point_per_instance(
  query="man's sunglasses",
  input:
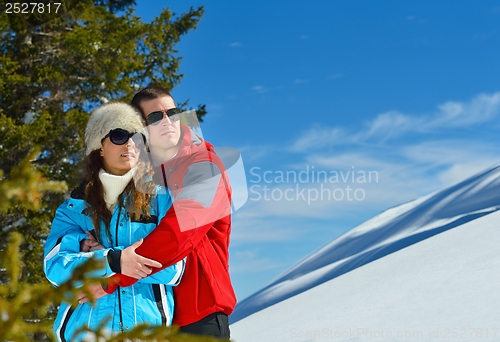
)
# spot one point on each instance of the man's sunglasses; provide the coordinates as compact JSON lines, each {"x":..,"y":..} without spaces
{"x":154,"y":118}
{"x":120,"y":136}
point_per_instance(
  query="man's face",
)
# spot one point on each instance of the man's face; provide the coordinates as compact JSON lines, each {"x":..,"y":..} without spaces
{"x":163,"y":136}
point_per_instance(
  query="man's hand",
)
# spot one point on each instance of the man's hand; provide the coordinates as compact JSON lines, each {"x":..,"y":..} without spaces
{"x":134,"y":265}
{"x":90,"y":244}
{"x":96,"y":290}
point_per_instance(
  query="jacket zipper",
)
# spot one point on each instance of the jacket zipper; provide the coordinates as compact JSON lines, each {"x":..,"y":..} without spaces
{"x":119,"y":289}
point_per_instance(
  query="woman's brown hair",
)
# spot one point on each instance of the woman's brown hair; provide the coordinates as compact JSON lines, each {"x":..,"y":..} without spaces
{"x":137,"y":203}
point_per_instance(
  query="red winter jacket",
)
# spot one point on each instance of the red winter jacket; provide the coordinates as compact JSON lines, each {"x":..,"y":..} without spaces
{"x":196,"y":226}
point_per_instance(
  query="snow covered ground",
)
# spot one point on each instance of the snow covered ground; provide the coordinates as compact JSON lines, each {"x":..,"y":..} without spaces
{"x":394,"y":278}
{"x":445,"y":288}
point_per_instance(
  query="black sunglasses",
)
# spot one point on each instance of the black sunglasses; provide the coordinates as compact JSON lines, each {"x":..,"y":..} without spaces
{"x":120,"y":136}
{"x":154,"y":118}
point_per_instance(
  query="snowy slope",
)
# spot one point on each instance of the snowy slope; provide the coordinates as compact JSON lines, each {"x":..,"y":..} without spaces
{"x":384,"y":234}
{"x":445,"y":288}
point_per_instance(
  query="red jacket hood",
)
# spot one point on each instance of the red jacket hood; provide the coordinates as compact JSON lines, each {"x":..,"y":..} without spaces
{"x":191,"y":143}
{"x":192,"y":149}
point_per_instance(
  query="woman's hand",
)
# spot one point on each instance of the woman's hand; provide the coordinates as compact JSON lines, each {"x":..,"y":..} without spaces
{"x":90,"y":244}
{"x":134,"y":265}
{"x":96,"y":290}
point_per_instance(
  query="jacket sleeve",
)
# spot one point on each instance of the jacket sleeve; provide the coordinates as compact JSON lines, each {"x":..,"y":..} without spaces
{"x":204,"y":198}
{"x":171,"y":275}
{"x":62,"y":249}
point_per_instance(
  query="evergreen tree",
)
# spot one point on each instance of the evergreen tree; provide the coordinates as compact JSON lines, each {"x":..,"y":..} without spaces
{"x":54,"y":69}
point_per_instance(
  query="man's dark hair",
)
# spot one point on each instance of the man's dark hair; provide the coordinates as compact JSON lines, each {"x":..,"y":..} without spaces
{"x":148,"y":93}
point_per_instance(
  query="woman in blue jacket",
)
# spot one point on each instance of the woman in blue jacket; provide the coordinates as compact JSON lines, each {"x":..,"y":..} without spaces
{"x":109,"y":205}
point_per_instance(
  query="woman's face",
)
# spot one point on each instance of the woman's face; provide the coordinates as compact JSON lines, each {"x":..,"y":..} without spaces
{"x":119,"y":159}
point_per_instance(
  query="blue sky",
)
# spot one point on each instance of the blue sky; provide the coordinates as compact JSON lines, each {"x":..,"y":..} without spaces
{"x":405,"y":91}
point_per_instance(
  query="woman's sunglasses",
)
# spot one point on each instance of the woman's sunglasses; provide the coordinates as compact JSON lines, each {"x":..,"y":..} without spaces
{"x":120,"y":136}
{"x":154,"y":118}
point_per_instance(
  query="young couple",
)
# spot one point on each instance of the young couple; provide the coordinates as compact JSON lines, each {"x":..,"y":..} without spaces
{"x":123,"y":215}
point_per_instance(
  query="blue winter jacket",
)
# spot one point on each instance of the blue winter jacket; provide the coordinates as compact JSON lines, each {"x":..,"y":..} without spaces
{"x":149,"y":301}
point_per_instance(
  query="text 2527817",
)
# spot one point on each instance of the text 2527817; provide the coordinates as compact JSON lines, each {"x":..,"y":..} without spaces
{"x":31,"y":7}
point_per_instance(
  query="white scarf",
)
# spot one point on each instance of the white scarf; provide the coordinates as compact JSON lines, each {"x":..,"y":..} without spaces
{"x":114,"y":186}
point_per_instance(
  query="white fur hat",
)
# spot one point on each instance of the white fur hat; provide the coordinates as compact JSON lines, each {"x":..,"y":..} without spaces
{"x":107,"y":117}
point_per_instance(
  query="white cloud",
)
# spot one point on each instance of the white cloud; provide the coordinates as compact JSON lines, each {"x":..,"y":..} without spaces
{"x":253,"y":153}
{"x":317,"y":137}
{"x":349,"y":184}
{"x":325,"y":186}
{"x":251,"y":225}
{"x":481,"y":109}
{"x":351,"y":161}
{"x":441,"y":152}
{"x":261,"y":89}
{"x":393,"y":124}
{"x":335,"y":76}
{"x":455,"y":160}
{"x":249,"y":261}
{"x":460,"y":171}
{"x":300,"y":81}
{"x":235,"y":44}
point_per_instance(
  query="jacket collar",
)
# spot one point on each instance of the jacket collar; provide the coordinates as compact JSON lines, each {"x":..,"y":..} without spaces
{"x":79,"y":191}
{"x":190,"y":144}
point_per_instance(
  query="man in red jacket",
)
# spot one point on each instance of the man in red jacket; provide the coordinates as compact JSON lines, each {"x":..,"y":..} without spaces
{"x":196,"y":226}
